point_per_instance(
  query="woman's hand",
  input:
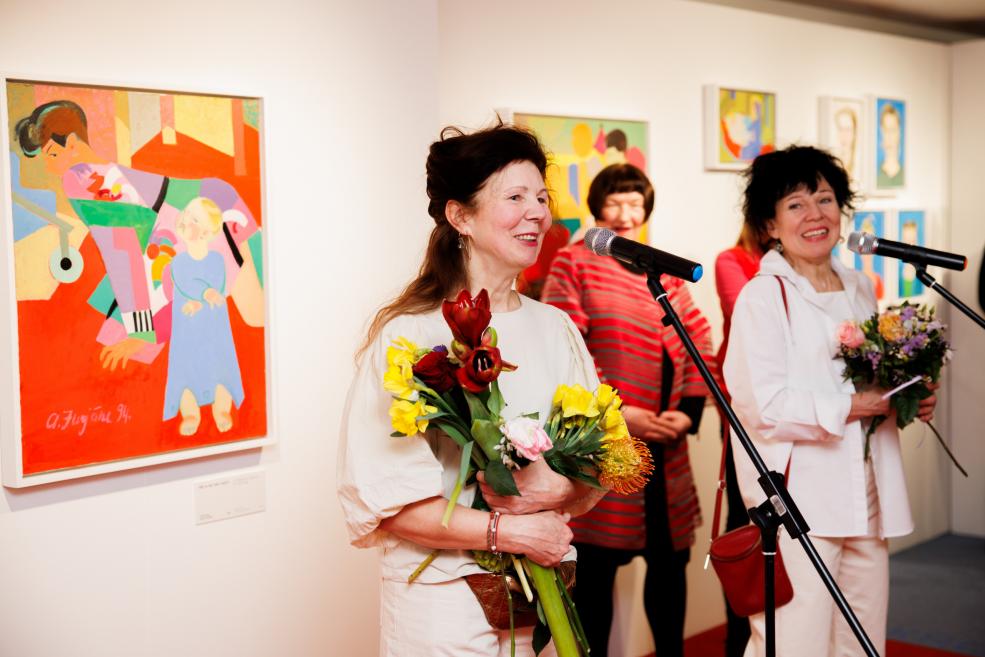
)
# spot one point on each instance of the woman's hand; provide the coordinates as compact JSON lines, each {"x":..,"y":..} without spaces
{"x":668,"y":427}
{"x":543,"y":537}
{"x":925,"y":412}
{"x":540,"y":489}
{"x":868,"y":403}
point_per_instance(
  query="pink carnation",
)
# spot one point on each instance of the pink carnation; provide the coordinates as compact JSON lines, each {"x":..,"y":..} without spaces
{"x":527,"y":437}
{"x":850,"y":335}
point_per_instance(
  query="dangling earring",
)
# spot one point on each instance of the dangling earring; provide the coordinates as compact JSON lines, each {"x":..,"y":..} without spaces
{"x":841,"y":239}
{"x":778,"y":246}
{"x":461,"y":241}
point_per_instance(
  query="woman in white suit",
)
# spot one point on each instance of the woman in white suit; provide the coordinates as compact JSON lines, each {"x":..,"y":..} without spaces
{"x":790,"y":395}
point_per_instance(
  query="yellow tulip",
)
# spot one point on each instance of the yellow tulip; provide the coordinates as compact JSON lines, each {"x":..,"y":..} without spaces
{"x":404,"y":416}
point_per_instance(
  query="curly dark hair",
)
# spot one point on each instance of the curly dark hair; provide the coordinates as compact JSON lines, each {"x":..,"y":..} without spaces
{"x":772,"y":176}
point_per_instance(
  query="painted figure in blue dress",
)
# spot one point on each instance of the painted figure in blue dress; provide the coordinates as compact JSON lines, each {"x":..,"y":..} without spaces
{"x":202,"y":364}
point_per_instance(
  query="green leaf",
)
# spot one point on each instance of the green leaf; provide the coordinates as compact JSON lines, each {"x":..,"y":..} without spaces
{"x":398,"y":434}
{"x":906,"y":406}
{"x":531,"y":416}
{"x":477,"y":408}
{"x":488,"y":435}
{"x":542,"y":636}
{"x":500,"y":478}
{"x":454,"y":433}
{"x":496,"y":401}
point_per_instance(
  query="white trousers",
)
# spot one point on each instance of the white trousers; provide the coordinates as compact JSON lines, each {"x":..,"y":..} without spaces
{"x":443,"y":620}
{"x":811,"y":625}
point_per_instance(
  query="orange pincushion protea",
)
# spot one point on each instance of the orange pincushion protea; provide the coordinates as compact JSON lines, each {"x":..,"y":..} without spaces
{"x":625,"y":465}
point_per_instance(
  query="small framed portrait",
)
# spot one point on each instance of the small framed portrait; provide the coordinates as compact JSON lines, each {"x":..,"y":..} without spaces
{"x":912,"y":226}
{"x":878,"y":222}
{"x":739,"y":124}
{"x":888,"y":165}
{"x":842,"y":133}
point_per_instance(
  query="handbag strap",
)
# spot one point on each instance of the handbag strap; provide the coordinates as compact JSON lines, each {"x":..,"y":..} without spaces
{"x":728,"y":438}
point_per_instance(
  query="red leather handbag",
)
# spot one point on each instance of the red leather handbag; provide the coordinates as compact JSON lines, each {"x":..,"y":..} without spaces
{"x":737,"y":555}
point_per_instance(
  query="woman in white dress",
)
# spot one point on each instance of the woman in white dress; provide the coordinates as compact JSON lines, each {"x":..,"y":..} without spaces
{"x":788,"y":391}
{"x":490,"y":206}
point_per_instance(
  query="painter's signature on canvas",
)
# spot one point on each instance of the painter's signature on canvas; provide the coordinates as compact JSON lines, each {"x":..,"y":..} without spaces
{"x":72,"y":419}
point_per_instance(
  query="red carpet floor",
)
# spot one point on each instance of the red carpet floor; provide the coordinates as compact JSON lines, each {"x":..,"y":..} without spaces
{"x":711,"y":643}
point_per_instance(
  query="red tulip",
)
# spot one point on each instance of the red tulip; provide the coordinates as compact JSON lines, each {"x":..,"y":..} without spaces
{"x":480,"y":367}
{"x":468,"y":317}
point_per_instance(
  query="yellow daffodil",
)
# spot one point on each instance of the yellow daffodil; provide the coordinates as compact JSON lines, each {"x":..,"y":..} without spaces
{"x":607,"y":396}
{"x":625,"y":465}
{"x":402,"y":352}
{"x":578,"y":401}
{"x":399,"y":381}
{"x":405,"y":416}
{"x":614,"y":425}
{"x":559,"y":395}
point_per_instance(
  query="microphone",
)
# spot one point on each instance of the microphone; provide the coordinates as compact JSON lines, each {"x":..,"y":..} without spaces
{"x":916,"y":255}
{"x":603,"y":241}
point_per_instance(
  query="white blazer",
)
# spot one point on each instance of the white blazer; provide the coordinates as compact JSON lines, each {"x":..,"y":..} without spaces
{"x":787,"y":390}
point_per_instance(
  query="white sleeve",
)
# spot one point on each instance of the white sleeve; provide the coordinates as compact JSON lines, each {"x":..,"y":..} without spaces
{"x":757,"y":376}
{"x":377,"y":474}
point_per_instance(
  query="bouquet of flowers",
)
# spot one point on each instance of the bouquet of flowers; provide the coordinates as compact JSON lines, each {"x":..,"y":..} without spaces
{"x":901,"y":350}
{"x":585,"y":438}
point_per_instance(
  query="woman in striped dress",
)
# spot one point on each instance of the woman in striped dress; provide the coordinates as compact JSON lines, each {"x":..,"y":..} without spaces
{"x":663,"y":399}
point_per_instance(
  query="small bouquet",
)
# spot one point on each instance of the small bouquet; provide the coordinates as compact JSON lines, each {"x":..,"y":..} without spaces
{"x":901,"y":350}
{"x":585,"y":438}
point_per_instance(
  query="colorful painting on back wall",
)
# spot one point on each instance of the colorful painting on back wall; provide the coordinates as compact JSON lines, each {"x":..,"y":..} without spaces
{"x":579,"y":148}
{"x":739,"y":125}
{"x":912,"y":230}
{"x":873,"y":222}
{"x":137,"y":244}
{"x":890,"y":146}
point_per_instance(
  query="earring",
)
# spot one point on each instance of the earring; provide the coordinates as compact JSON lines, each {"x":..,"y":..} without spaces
{"x":461,"y":241}
{"x":778,"y":246}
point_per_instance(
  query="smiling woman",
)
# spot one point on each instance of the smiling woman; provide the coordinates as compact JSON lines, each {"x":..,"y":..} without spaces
{"x":789,"y":391}
{"x":490,"y":207}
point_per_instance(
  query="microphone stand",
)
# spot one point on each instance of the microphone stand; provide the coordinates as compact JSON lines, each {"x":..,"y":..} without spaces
{"x":779,"y":508}
{"x":930,"y":282}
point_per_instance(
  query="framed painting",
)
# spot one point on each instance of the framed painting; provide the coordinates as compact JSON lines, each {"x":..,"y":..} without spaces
{"x":134,"y":223}
{"x":579,"y":148}
{"x":912,"y":226}
{"x":888,"y":164}
{"x":842,"y":132}
{"x":876,"y":222}
{"x":739,"y":124}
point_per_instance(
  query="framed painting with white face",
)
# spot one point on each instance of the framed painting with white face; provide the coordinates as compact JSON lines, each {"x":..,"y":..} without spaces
{"x":878,"y":269}
{"x":842,"y":133}
{"x":739,"y":124}
{"x":912,"y":226}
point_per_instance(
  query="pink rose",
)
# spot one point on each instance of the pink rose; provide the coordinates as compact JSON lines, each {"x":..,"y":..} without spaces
{"x":527,"y":437}
{"x":850,"y":335}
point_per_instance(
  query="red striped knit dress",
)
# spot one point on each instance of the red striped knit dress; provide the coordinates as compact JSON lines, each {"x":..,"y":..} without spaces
{"x":621,"y":322}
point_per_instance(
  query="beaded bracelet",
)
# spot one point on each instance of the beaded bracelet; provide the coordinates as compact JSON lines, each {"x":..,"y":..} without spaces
{"x":491,"y":531}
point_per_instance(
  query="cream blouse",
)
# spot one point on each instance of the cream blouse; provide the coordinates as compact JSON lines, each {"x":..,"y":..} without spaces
{"x":378,"y":475}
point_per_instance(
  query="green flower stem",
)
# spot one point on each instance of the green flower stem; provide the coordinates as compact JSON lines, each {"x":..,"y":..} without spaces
{"x":424,"y":564}
{"x":545,"y":581}
{"x":521,"y":573}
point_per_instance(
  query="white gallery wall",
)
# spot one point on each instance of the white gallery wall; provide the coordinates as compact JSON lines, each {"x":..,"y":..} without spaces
{"x":353,"y":93}
{"x":116,"y":566}
{"x":640,"y":59}
{"x":968,"y":237}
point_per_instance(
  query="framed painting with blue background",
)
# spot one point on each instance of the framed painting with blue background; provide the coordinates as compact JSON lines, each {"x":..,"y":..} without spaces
{"x":889,"y":163}
{"x":876,"y":222}
{"x":912,"y":230}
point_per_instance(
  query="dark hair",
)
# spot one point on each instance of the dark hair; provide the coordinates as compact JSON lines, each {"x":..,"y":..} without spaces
{"x":52,"y":121}
{"x":618,"y":179}
{"x":617,"y":139}
{"x":775,"y":175}
{"x":458,"y":166}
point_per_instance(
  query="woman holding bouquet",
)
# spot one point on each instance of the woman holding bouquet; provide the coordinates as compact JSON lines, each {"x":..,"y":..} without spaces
{"x":489,"y":203}
{"x":663,"y":400}
{"x":788,"y":390}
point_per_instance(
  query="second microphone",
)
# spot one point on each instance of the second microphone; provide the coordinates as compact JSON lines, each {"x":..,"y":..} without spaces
{"x":603,"y":241}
